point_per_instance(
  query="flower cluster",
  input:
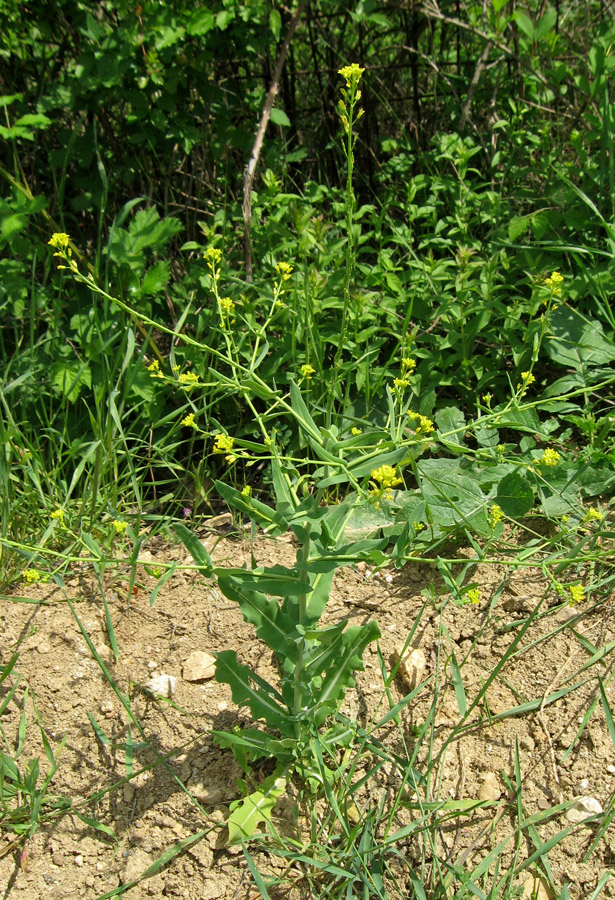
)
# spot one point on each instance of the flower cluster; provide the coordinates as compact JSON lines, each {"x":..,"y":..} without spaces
{"x":189,"y":422}
{"x":213,"y":257}
{"x":307,"y":371}
{"x":154,"y":369}
{"x":496,"y":515}
{"x":549,"y":457}
{"x":57,"y":516}
{"x":527,"y":379}
{"x":425,"y":425}
{"x":227,"y":310}
{"x":284,"y":270}
{"x":554,"y":282}
{"x":383,"y":480}
{"x":577,"y":593}
{"x":32,"y":575}
{"x":473,"y":595}
{"x":352,"y":75}
{"x":224,"y":444}
{"x":188,"y":380}
{"x":120,"y":527}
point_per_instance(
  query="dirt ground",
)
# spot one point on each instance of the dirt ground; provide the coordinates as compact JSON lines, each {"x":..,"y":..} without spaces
{"x":151,"y":812}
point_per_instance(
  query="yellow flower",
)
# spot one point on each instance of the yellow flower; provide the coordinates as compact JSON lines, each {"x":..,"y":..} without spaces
{"x":592,"y":515}
{"x":189,"y":422}
{"x":401,"y":383}
{"x":227,"y":307}
{"x":487,"y":398}
{"x":408,"y":364}
{"x":495,"y":515}
{"x":355,"y":431}
{"x":120,"y":527}
{"x":383,"y":480}
{"x":473,"y":595}
{"x":59,"y":240}
{"x":57,"y":516}
{"x":188,"y":380}
{"x":213,"y":256}
{"x":554,"y":281}
{"x":31,"y":575}
{"x":246,"y":491}
{"x":223,"y":443}
{"x":307,"y":371}
{"x":527,"y":379}
{"x":577,"y":594}
{"x":352,"y":75}
{"x":154,"y":366}
{"x":425,"y":425}
{"x":549,"y":457}
{"x":284,"y":270}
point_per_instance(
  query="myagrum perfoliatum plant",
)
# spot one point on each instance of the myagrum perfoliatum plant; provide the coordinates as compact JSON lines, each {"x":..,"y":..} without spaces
{"x":315,"y":663}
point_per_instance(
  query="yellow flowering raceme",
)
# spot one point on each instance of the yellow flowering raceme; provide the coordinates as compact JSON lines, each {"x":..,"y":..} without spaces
{"x":307,"y":371}
{"x":351,"y":75}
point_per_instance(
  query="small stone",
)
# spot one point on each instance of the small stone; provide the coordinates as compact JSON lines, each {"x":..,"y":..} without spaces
{"x":411,"y":667}
{"x":583,"y":808}
{"x":583,"y":784}
{"x":206,"y":794}
{"x":222,"y":706}
{"x":128,"y":793}
{"x":152,"y":664}
{"x":79,"y":860}
{"x":106,"y":707}
{"x":611,"y":769}
{"x":161,"y":685}
{"x":199,"y":666}
{"x":535,"y":888}
{"x":43,"y":647}
{"x":527,"y":743}
{"x":489,"y":787}
{"x":136,"y":864}
{"x":57,"y":859}
{"x":388,"y":578}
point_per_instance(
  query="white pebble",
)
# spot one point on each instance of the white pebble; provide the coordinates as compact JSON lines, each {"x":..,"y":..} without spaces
{"x":583,"y":808}
{"x":161,"y":685}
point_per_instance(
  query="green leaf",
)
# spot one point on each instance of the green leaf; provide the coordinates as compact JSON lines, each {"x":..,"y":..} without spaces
{"x":155,"y":279}
{"x":343,"y":658}
{"x":275,"y":23}
{"x":515,"y":495}
{"x":247,"y":814}
{"x":577,"y":342}
{"x":201,"y":21}
{"x":273,"y":625}
{"x":196,"y":549}
{"x":262,"y":705}
{"x":448,"y":419}
{"x":279,"y":117}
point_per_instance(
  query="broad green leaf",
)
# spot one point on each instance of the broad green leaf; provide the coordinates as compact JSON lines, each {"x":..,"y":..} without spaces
{"x":277,"y":580}
{"x":156,"y":278}
{"x":515,"y":495}
{"x":348,"y":659}
{"x":448,"y":419}
{"x":201,"y":21}
{"x":279,"y":117}
{"x":247,"y":814}
{"x":275,"y":23}
{"x":230,"y":671}
{"x":452,"y":494}
{"x":273,"y":625}
{"x":576,"y":342}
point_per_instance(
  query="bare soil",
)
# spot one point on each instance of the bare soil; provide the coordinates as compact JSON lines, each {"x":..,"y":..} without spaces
{"x":148,"y":812}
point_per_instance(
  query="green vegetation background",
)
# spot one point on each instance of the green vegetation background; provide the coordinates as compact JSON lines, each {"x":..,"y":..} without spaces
{"x":483,"y":163}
